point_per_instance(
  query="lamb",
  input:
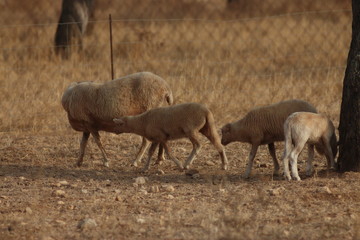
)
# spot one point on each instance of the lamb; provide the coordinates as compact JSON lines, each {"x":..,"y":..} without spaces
{"x":315,"y":130}
{"x":263,"y":125}
{"x":169,"y":123}
{"x":91,"y":106}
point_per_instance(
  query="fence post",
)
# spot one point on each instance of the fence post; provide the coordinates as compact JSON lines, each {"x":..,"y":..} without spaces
{"x":111,"y":48}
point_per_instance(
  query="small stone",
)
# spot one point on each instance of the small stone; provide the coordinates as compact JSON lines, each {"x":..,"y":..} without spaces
{"x":170,"y":197}
{"x":28,"y":210}
{"x":169,"y":188}
{"x":324,"y":189}
{"x":154,"y":189}
{"x":117,"y":191}
{"x":84,"y":191}
{"x":140,"y":220}
{"x":276,"y":191}
{"x":59,"y":193}
{"x":210,"y":163}
{"x":143,"y":191}
{"x":118,"y":198}
{"x":22,"y":178}
{"x":263,"y":165}
{"x":60,"y":222}
{"x":196,"y":176}
{"x":60,"y":203}
{"x":87,"y":223}
{"x":63,"y":183}
{"x":160,"y":172}
{"x":140,"y":180}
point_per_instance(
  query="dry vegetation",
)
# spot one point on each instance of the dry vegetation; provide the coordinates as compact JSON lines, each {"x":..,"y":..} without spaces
{"x":230,"y":64}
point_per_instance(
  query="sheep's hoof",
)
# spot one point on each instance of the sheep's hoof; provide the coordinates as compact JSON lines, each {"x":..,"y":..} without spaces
{"x":225,"y":167}
{"x":134,"y":164}
{"x":78,"y":164}
{"x":106,"y":164}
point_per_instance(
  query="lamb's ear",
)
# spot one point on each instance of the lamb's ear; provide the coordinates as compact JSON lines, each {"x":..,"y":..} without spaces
{"x":119,"y":121}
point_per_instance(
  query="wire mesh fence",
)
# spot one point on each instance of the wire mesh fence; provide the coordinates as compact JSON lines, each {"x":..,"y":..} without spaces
{"x":218,"y":39}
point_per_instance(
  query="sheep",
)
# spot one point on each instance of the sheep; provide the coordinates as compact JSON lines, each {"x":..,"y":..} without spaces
{"x":263,"y":125}
{"x":315,"y":130}
{"x":185,"y":120}
{"x":91,"y":106}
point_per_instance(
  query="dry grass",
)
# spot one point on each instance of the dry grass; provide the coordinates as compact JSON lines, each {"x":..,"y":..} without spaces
{"x":231,"y":66}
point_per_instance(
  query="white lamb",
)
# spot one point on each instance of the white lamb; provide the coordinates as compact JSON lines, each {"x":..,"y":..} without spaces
{"x":91,"y":107}
{"x":315,"y":130}
{"x":168,"y":123}
{"x":263,"y":125}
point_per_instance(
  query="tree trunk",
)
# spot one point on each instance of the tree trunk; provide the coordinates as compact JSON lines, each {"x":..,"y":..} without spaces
{"x":349,"y":127}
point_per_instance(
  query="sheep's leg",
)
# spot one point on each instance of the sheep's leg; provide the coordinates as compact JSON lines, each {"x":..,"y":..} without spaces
{"x":167,"y":150}
{"x":150,"y":154}
{"x":220,"y":148}
{"x":271,"y":147}
{"x":196,"y":148}
{"x":252,"y":154}
{"x":161,"y":154}
{"x":286,"y":164}
{"x":309,"y":165}
{"x":83,"y":143}
{"x":144,"y":145}
{"x":96,"y":136}
{"x":329,"y":154}
{"x":293,"y":159}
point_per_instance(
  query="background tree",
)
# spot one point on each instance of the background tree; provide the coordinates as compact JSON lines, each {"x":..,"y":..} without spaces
{"x":349,"y":127}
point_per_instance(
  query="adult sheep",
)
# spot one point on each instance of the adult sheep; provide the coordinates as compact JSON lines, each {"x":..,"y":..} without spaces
{"x":72,"y":24}
{"x":313,"y":129}
{"x":263,"y":125}
{"x":91,"y":107}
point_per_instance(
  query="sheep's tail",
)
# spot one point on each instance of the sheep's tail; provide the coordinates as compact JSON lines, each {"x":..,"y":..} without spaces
{"x":210,"y":131}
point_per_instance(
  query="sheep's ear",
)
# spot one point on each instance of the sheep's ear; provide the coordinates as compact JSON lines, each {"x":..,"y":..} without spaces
{"x":119,"y":121}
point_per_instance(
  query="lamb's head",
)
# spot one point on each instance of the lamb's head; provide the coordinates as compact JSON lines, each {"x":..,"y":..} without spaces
{"x":226,"y":134}
{"x":121,"y":125}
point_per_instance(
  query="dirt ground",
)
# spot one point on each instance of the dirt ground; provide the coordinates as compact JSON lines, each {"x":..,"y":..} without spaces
{"x":44,"y":196}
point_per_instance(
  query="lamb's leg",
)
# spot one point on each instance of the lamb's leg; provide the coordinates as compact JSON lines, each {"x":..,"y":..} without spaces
{"x":196,"y":148}
{"x":83,"y":143}
{"x":286,"y":164}
{"x":220,"y":148}
{"x":309,"y":165}
{"x":96,"y":136}
{"x":167,"y":150}
{"x":293,"y":158}
{"x":271,"y":147}
{"x":151,"y":152}
{"x":252,"y":154}
{"x":144,"y":145}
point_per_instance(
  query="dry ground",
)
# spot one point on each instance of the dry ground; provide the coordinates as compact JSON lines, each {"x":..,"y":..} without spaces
{"x":231,"y":66}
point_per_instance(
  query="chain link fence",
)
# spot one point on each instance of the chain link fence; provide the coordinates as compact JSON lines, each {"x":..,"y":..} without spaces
{"x":221,"y":39}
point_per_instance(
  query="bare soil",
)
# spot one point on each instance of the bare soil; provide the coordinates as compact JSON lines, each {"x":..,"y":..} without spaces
{"x":210,"y":204}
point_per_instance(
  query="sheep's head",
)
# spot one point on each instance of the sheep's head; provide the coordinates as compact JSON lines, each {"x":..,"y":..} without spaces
{"x":226,"y":135}
{"x":121,"y":125}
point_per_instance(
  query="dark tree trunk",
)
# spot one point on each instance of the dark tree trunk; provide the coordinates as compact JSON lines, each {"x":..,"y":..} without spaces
{"x":72,"y":25}
{"x":349,"y":128}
